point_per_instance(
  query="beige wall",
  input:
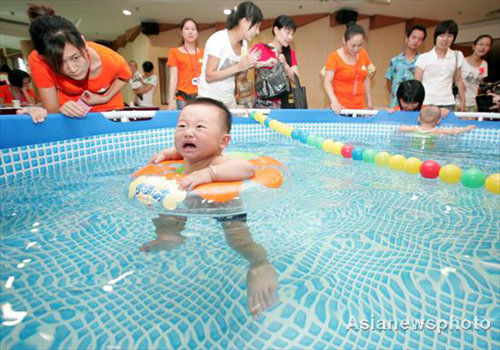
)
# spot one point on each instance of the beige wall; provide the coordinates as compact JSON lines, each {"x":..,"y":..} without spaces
{"x":312,"y":43}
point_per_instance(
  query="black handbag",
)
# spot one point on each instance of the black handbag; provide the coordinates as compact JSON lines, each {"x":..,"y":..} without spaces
{"x":297,"y":98}
{"x":272,"y":83}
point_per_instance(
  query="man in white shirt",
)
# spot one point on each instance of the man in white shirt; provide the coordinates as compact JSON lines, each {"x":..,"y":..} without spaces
{"x":438,"y":68}
{"x":149,"y":83}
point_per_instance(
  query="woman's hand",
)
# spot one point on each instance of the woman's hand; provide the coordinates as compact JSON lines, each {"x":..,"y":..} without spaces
{"x":94,"y":99}
{"x":336,"y":107}
{"x":249,"y":61}
{"x":37,"y":114}
{"x":283,"y":61}
{"x":172,"y":106}
{"x":73,"y":109}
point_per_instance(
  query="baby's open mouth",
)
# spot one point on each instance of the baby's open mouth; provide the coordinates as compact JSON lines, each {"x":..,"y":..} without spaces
{"x":188,"y":146}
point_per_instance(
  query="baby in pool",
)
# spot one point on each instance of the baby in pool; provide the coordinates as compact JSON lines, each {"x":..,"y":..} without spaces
{"x":202,"y":133}
{"x":428,"y":120}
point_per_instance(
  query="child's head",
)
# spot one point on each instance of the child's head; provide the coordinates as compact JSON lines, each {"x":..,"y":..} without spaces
{"x":202,"y":129}
{"x":249,"y":16}
{"x":147,"y":67}
{"x":430,"y":115}
{"x":411,"y":95}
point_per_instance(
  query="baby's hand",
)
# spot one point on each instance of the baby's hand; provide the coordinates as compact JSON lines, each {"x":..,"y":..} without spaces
{"x":472,"y":126}
{"x":390,"y":110}
{"x":196,"y":178}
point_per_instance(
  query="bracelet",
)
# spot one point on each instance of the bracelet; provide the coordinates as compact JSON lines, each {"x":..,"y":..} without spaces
{"x":214,"y":173}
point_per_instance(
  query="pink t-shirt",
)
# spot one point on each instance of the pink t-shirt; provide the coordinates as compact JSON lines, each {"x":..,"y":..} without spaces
{"x":267,"y":53}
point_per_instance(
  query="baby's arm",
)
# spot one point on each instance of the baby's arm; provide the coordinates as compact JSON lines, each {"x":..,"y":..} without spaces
{"x":166,"y":154}
{"x":455,"y":131}
{"x":230,"y":170}
{"x":406,"y":128}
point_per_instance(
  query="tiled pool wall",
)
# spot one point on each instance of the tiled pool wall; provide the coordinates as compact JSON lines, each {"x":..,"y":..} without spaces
{"x":57,"y":157}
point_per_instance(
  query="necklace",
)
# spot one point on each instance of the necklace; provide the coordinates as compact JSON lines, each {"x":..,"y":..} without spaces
{"x":194,"y":66}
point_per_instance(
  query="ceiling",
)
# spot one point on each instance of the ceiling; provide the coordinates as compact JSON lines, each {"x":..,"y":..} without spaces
{"x":103,"y":19}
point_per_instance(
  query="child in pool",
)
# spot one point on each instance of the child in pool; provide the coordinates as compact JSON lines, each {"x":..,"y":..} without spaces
{"x":201,"y":135}
{"x":411,"y":95}
{"x":428,"y":119}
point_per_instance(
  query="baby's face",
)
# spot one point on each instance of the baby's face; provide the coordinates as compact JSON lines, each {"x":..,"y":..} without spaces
{"x":200,"y":133}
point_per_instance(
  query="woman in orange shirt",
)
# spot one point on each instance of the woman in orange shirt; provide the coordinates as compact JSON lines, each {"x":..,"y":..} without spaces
{"x":348,"y":71}
{"x":185,"y":66}
{"x":73,"y":76}
{"x":19,"y":89}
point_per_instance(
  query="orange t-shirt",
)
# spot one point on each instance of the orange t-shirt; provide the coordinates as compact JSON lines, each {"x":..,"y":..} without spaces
{"x":7,"y":95}
{"x":113,"y":66}
{"x":188,"y":67}
{"x":348,"y":79}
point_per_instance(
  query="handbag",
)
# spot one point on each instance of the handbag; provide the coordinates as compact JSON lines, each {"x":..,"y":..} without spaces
{"x":297,"y":98}
{"x":272,"y":83}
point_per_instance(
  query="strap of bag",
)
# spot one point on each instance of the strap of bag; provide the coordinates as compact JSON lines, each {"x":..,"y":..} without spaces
{"x":296,"y":80}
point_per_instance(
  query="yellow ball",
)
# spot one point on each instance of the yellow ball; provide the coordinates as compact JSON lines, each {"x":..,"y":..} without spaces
{"x":273,"y":124}
{"x":412,"y":165}
{"x":397,"y":162}
{"x":263,"y":118}
{"x":450,"y":174}
{"x":328,"y":145}
{"x":288,"y":131}
{"x":492,"y":183}
{"x":337,"y":147}
{"x":382,"y":158}
{"x":258,"y":116}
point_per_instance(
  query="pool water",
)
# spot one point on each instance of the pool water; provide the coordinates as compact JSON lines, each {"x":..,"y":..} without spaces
{"x":351,"y":242}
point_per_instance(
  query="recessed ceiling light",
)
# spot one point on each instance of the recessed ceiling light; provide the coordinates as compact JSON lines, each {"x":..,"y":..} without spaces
{"x":126,"y":12}
{"x":227,"y":11}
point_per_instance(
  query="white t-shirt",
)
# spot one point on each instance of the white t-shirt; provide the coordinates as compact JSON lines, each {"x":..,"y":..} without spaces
{"x":147,"y":98}
{"x":472,"y":77}
{"x":218,"y":45}
{"x":135,"y":81}
{"x":438,"y":76}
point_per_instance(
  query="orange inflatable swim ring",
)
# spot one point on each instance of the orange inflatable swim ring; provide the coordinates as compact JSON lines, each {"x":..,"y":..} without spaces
{"x":156,"y":187}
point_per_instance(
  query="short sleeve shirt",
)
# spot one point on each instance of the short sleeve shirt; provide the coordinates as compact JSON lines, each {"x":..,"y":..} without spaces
{"x":113,"y":66}
{"x":438,"y":74}
{"x":348,"y":79}
{"x":219,"y":46}
{"x":7,"y":96}
{"x":400,"y":70}
{"x":472,"y":77}
{"x":188,"y":67}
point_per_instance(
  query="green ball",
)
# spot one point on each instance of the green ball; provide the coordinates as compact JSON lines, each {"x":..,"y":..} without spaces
{"x":319,"y":142}
{"x":369,"y":156}
{"x":311,"y":140}
{"x":473,"y":178}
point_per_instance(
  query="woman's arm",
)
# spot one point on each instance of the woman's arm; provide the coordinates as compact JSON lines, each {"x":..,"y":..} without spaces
{"x":49,"y":99}
{"x":172,"y":88}
{"x":212,"y":74}
{"x":327,"y":84}
{"x":368,"y":92}
{"x":461,"y":89}
{"x":96,"y":99}
{"x":418,"y":73}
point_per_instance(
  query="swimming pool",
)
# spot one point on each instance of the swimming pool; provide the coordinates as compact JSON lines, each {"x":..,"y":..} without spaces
{"x":359,"y":250}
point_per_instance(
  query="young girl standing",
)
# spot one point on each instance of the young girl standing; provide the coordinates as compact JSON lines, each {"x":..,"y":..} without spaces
{"x":226,"y":54}
{"x":185,"y":66}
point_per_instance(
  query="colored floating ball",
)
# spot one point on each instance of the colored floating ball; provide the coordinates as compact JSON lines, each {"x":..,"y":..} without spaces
{"x":346,"y":151}
{"x":397,"y":162}
{"x":267,"y":121}
{"x":311,"y":140}
{"x":357,"y":153}
{"x":318,"y":142}
{"x":473,"y":178}
{"x":296,"y":134}
{"x":450,"y":173}
{"x":430,"y":169}
{"x":382,"y":158}
{"x":337,"y":148}
{"x":327,"y":146}
{"x":369,"y":156}
{"x":303,"y":137}
{"x":412,"y":165}
{"x":492,"y":184}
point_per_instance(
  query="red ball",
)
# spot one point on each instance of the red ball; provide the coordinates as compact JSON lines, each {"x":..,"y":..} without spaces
{"x":346,"y":151}
{"x":430,"y":169}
